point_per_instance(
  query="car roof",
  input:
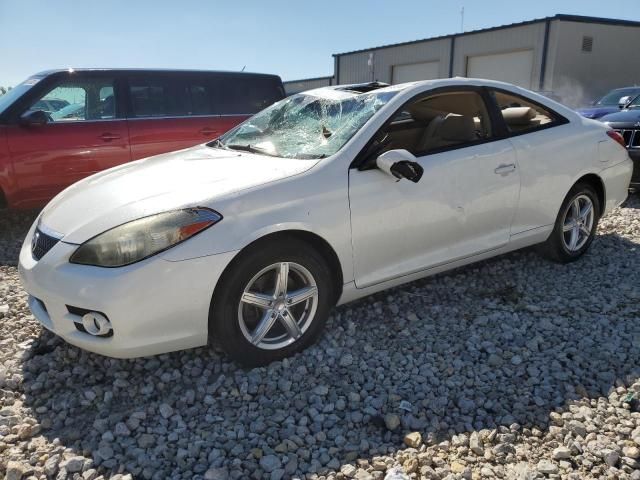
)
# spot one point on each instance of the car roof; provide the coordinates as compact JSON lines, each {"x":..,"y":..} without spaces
{"x":407,"y":90}
{"x":435,"y":83}
{"x":46,"y":73}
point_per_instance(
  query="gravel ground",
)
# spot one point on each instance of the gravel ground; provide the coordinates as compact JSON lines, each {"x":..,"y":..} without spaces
{"x":513,"y":368}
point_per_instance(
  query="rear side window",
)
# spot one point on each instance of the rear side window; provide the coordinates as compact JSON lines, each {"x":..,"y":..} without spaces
{"x":156,"y":97}
{"x":246,"y":95}
{"x":79,"y":99}
{"x":193,"y":95}
{"x":521,"y":115}
{"x":199,"y":95}
{"x":200,"y":98}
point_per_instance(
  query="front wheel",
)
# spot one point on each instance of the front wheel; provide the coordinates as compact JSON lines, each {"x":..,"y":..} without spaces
{"x":272,"y":303}
{"x":575,"y":225}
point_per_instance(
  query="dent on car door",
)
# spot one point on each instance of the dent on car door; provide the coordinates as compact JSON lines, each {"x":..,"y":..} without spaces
{"x":463,"y":204}
{"x":84,"y":136}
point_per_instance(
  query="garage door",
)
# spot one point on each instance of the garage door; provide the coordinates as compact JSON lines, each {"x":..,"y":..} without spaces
{"x":512,"y":67}
{"x":415,"y":71}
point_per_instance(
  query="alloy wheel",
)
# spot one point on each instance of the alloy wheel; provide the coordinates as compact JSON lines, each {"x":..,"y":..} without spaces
{"x":578,"y":223}
{"x":278,"y":305}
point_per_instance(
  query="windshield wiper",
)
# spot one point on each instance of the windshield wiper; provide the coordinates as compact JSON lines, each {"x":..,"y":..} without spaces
{"x":217,"y":143}
{"x":249,"y":148}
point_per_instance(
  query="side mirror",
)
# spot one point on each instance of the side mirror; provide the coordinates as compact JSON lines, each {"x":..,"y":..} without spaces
{"x":400,"y":164}
{"x":623,"y":101}
{"x":34,"y":118}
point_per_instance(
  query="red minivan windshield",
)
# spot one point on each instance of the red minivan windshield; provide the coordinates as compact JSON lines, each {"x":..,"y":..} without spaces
{"x":12,"y":95}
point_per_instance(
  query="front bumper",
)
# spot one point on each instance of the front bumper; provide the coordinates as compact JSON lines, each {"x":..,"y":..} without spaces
{"x":155,"y":306}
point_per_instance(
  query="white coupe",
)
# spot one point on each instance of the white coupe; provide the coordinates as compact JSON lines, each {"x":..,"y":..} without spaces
{"x":322,"y":198}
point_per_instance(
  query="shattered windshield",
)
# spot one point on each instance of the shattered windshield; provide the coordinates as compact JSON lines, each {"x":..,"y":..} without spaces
{"x":304,"y":126}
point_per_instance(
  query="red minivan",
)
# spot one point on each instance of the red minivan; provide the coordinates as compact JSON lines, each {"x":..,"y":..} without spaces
{"x":63,"y":125}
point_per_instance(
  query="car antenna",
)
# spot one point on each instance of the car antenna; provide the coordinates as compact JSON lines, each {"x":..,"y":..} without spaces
{"x":243,"y":68}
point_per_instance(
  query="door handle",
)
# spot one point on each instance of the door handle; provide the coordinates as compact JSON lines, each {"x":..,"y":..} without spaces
{"x":107,"y":137}
{"x":208,"y":131}
{"x":505,"y":169}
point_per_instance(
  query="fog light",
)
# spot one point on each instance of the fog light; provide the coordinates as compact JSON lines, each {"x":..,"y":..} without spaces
{"x":95,"y":323}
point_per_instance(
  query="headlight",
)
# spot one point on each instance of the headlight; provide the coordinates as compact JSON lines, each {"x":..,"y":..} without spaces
{"x":142,"y":238}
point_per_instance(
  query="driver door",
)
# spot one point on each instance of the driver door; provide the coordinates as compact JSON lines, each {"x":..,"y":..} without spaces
{"x":463,"y":205}
{"x":85,"y":135}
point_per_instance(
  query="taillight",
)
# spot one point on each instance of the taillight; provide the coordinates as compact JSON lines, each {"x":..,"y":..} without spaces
{"x":617,"y":137}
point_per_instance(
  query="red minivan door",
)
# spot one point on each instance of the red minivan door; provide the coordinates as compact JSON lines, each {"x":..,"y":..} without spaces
{"x":170,"y":111}
{"x":84,"y":136}
{"x":173,"y":110}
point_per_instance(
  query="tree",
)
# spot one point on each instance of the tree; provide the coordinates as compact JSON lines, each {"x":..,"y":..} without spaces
{"x":3,"y":90}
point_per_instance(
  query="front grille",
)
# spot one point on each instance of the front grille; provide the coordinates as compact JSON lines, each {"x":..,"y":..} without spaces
{"x":41,"y":243}
{"x":631,"y":137}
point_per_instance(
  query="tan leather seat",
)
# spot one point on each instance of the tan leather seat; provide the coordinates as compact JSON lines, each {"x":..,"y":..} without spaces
{"x":518,"y":116}
{"x":447,"y":130}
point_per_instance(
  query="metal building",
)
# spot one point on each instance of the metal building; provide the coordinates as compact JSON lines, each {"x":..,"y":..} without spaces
{"x":296,"y":86}
{"x":576,"y":58}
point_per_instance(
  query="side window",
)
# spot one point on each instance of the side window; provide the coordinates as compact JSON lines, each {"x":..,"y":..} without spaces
{"x":199,"y":95}
{"x":199,"y":99}
{"x":79,"y":100}
{"x":438,"y":122}
{"x":238,"y":95}
{"x":521,"y":115}
{"x":157,"y":97}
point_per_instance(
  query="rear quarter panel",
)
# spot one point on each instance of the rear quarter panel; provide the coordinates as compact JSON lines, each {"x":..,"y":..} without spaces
{"x":550,"y":162}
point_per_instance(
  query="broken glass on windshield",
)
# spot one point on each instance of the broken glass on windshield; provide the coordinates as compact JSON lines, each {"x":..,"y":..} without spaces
{"x":310,"y":125}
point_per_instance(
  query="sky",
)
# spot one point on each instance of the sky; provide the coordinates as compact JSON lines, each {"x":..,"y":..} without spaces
{"x":294,"y":39}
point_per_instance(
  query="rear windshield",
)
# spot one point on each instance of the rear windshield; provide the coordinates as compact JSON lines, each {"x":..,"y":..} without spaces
{"x":12,"y":95}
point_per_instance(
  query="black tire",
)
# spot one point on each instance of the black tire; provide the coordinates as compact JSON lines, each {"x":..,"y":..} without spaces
{"x":554,"y":248}
{"x":224,"y":323}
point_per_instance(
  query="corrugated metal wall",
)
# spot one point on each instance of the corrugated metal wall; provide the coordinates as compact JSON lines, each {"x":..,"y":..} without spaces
{"x":575,"y":76}
{"x":296,"y":86}
{"x":523,"y":37}
{"x":354,"y":68}
{"x":578,"y":76}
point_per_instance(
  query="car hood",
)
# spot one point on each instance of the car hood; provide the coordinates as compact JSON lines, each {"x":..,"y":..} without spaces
{"x":192,"y":177}
{"x":623,"y":116}
{"x":596,"y":112}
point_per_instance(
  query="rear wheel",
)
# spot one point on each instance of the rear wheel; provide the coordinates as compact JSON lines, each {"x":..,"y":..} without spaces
{"x":575,"y":225}
{"x":272,"y":303}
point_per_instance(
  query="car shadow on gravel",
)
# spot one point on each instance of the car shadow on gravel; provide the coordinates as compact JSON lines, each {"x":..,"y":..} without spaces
{"x":504,"y":341}
{"x":13,"y":228}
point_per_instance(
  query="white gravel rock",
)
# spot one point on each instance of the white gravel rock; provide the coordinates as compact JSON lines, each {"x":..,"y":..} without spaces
{"x":547,"y":467}
{"x":561,"y":453}
{"x":513,"y":366}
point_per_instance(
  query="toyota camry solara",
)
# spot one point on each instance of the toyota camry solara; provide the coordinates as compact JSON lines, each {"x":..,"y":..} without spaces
{"x":322,"y":198}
